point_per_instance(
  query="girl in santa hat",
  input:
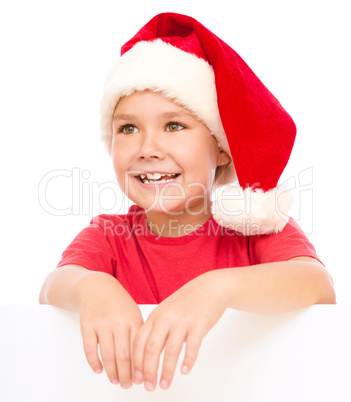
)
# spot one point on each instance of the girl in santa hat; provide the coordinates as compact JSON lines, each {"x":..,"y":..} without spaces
{"x":182,"y":115}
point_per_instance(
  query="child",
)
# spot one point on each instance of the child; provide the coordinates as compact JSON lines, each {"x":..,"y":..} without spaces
{"x":183,"y":115}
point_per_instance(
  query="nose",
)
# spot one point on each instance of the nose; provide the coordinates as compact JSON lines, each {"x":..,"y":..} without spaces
{"x":150,"y":148}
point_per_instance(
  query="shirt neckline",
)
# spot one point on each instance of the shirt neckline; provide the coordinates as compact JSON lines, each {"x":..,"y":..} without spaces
{"x":162,"y":240}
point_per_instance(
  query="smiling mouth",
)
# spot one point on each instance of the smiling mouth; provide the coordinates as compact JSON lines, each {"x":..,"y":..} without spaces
{"x":158,"y":177}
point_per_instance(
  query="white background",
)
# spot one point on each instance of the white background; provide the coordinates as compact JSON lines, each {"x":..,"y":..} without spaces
{"x":54,"y":58}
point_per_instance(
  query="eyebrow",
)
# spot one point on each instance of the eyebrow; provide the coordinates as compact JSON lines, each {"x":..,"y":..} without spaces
{"x":172,"y":115}
{"x":168,"y":115}
{"x":122,"y":116}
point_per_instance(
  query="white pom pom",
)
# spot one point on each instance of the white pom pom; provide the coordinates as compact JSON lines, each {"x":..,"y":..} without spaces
{"x":253,"y":211}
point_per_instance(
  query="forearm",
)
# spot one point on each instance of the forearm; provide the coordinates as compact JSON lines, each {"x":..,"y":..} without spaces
{"x":276,"y":287}
{"x":66,"y":286}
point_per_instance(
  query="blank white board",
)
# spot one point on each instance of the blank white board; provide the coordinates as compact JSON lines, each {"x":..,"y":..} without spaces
{"x":300,"y":356}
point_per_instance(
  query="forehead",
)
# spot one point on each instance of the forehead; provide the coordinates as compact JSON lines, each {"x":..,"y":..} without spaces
{"x":148,"y":101}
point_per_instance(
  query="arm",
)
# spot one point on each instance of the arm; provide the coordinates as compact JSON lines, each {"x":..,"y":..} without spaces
{"x":62,"y":286}
{"x":266,"y":288}
{"x":107,"y":313}
{"x":277,"y":287}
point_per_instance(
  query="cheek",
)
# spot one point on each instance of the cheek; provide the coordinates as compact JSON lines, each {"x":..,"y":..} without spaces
{"x":204,"y":159}
{"x":120,"y":166}
{"x":206,"y":167}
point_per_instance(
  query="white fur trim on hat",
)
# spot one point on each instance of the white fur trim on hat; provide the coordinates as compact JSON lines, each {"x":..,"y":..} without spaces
{"x":160,"y":67}
{"x":253,"y":211}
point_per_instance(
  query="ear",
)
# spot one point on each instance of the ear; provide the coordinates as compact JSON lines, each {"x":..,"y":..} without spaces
{"x":223,"y":158}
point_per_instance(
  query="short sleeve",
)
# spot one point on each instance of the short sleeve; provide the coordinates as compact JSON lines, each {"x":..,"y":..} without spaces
{"x":291,"y":242}
{"x":91,"y":249}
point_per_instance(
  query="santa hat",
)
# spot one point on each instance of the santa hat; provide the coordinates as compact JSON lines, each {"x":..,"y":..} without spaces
{"x":177,"y":56}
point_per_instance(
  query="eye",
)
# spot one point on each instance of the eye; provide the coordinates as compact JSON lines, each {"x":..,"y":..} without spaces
{"x":172,"y":127}
{"x":128,"y":129}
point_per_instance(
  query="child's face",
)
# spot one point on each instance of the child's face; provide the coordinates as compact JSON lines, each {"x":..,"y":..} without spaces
{"x":152,"y":134}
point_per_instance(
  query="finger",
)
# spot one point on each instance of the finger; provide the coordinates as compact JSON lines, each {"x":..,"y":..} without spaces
{"x":136,"y":376}
{"x":138,"y":349}
{"x":108,"y":356}
{"x":173,"y":348}
{"x":123,"y":358}
{"x":153,"y":349}
{"x":90,"y":345}
{"x":193,"y":343}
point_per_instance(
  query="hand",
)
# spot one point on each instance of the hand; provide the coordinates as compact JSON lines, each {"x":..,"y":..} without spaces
{"x":110,"y":318}
{"x":185,"y":316}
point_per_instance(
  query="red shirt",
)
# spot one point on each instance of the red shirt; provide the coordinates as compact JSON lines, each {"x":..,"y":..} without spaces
{"x":152,"y":267}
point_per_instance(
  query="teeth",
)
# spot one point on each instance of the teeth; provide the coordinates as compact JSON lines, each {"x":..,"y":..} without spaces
{"x":154,"y":176}
{"x":158,"y":181}
{"x":172,"y":177}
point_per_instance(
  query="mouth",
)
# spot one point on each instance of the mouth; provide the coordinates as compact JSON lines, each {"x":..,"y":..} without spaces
{"x":157,"y":178}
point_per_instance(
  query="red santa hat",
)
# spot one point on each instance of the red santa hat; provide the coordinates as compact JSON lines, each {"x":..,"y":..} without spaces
{"x":176,"y":55}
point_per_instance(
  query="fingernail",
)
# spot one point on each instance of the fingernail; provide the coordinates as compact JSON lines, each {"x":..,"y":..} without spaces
{"x":98,"y":371}
{"x":185,"y":369}
{"x":149,"y":386}
{"x":126,"y":386}
{"x":138,"y":375}
{"x":163,"y":384}
{"x":115,"y":381}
